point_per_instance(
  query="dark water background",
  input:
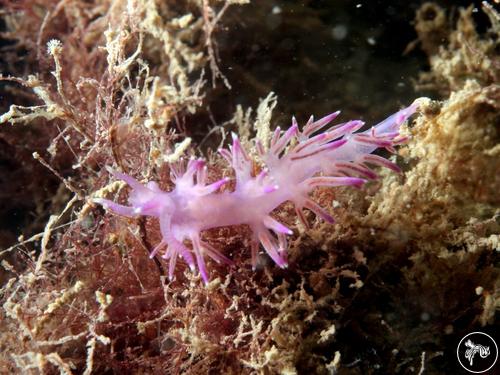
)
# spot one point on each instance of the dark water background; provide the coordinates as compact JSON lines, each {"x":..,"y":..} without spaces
{"x":321,"y":56}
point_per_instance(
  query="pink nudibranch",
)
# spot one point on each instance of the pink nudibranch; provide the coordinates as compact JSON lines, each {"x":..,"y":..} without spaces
{"x":338,"y":156}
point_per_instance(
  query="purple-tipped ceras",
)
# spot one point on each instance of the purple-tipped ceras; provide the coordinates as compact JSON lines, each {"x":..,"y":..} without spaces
{"x":338,"y":156}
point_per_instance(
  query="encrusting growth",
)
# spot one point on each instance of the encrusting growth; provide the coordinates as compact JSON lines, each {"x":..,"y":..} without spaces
{"x":337,"y":156}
